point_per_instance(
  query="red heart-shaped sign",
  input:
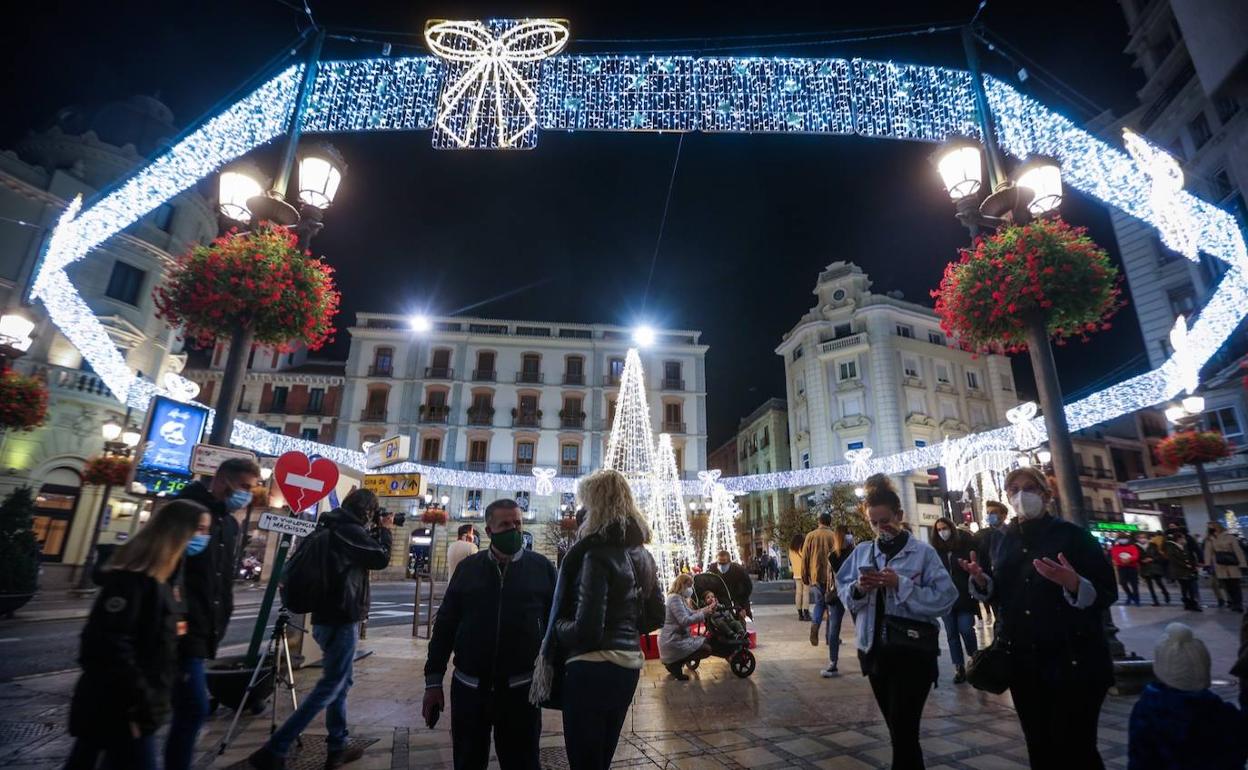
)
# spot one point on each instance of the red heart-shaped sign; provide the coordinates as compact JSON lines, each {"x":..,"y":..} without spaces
{"x":304,"y":482}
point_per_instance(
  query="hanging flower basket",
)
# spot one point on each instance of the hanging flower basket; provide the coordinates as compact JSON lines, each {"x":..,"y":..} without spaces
{"x":256,"y":279}
{"x":698,"y":523}
{"x":1044,"y":269}
{"x":1192,"y":446}
{"x":433,"y":516}
{"x":107,"y":471}
{"x":23,"y":402}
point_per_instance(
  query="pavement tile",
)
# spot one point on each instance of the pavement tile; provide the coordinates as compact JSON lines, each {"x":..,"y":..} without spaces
{"x":852,"y":739}
{"x":989,"y":762}
{"x":753,"y":757}
{"x":802,"y":747}
{"x":844,"y":763}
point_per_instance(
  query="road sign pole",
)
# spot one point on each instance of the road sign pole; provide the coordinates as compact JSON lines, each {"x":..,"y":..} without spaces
{"x":266,"y":606}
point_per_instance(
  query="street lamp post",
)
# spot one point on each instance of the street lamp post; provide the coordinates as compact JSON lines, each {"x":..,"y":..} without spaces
{"x":118,"y":442}
{"x":1186,"y":415}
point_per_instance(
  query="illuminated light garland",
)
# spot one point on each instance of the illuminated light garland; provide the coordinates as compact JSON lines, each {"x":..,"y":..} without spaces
{"x":721,"y":530}
{"x":1029,"y":430}
{"x":670,"y":542}
{"x":708,"y":480}
{"x":488,"y":98}
{"x":374,"y":95}
{"x":1184,"y":373}
{"x":963,"y":461}
{"x":774,"y":95}
{"x":630,"y":448}
{"x":859,"y":463}
{"x":1173,"y":220}
{"x":886,"y":100}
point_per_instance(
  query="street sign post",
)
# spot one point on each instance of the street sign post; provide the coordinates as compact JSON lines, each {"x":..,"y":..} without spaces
{"x":206,"y":458}
{"x":389,"y":451}
{"x":393,"y":484}
{"x":286,"y":525}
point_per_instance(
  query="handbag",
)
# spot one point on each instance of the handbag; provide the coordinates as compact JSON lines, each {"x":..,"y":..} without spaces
{"x":651,"y":611}
{"x":1225,"y":558}
{"x":989,"y":669}
{"x":910,"y":636}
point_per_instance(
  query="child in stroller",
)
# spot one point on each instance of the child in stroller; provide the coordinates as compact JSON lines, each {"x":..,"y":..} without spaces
{"x":728,"y":638}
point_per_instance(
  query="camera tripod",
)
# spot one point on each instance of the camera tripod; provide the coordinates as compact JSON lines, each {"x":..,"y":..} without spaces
{"x":280,"y":668}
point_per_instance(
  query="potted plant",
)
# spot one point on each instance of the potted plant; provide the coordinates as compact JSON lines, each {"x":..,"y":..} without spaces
{"x":23,"y":402}
{"x":106,"y":471}
{"x":19,"y":552}
{"x":1190,"y":447}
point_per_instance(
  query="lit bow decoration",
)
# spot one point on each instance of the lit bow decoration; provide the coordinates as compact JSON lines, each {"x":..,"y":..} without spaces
{"x":545,"y":480}
{"x":487,"y":86}
{"x":708,"y":479}
{"x":1172,"y":216}
{"x":1026,"y":436}
{"x":858,"y":458}
{"x":1184,"y":372}
{"x":179,"y":388}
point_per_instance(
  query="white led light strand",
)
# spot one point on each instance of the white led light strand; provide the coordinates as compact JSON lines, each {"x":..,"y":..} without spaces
{"x":630,"y":448}
{"x":374,"y":95}
{"x":721,"y":530}
{"x":1029,"y":431}
{"x":670,"y":543}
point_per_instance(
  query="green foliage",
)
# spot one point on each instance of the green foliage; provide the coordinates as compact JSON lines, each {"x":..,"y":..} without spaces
{"x":19,"y":553}
{"x":842,"y":503}
{"x":792,"y":521}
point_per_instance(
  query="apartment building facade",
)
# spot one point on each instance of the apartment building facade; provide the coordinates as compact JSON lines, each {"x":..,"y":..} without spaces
{"x":763,"y":447}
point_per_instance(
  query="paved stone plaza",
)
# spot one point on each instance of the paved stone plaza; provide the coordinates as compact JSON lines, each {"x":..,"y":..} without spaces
{"x":785,"y":715}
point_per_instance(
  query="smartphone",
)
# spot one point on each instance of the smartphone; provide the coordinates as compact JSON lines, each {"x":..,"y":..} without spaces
{"x":867,"y":570}
{"x":434,"y":713}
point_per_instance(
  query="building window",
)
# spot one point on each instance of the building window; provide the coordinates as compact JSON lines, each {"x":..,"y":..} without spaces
{"x":948,"y":409}
{"x":431,"y":449}
{"x":979,"y":416}
{"x":478,"y":452}
{"x":472,"y":500}
{"x":671,"y":376}
{"x":383,"y":362}
{"x":942,"y":374}
{"x":927,"y":495}
{"x":972,"y":379}
{"x":524,"y":453}
{"x":574,"y":371}
{"x":316,"y":400}
{"x":936,"y":338}
{"x":570,"y":458}
{"x":125,"y":283}
{"x":673,"y":417}
{"x":1221,"y":185}
{"x":855,"y":445}
{"x":1227,"y":422}
{"x":805,"y":460}
{"x":485,"y":366}
{"x":522,"y":502}
{"x":1182,"y":301}
{"x":440,"y":364}
{"x":680,"y":459}
{"x":531,"y":367}
{"x":375,"y":407}
{"x":916,"y":403}
{"x":615,"y":369}
{"x":1198,"y":130}
{"x":1006,"y":382}
{"x":310,"y":434}
{"x":910,"y":367}
{"x":279,"y":398}
{"x":847,"y":370}
{"x":840,"y":331}
{"x":797,"y":352}
{"x":905,"y":330}
{"x":1227,"y":108}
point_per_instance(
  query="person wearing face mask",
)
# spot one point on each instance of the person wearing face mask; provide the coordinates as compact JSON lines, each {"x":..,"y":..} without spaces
{"x":207,"y":583}
{"x":729,"y":581}
{"x":1126,"y":558}
{"x":1225,"y":560}
{"x":986,"y":540}
{"x":951,"y":545}
{"x":493,"y":618}
{"x":897,"y":591}
{"x":1153,"y":565}
{"x":1051,"y":583}
{"x":676,"y":645}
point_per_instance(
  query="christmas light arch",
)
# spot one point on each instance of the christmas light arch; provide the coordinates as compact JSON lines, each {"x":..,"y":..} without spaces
{"x":498,"y":84}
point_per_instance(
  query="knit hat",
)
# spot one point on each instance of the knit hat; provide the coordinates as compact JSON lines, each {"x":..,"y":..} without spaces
{"x":1180,"y":660}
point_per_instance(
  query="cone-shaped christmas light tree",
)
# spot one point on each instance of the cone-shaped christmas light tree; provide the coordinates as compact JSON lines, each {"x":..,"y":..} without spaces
{"x":721,"y":532}
{"x":630,"y":449}
{"x":670,"y":543}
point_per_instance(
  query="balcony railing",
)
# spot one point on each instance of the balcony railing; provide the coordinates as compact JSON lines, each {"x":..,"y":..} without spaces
{"x":571,"y":470}
{"x":373,"y":415}
{"x":245,"y":406}
{"x":573,"y":421}
{"x":484,"y":375}
{"x":842,"y":343}
{"x":524,"y":467}
{"x":535,"y":378}
{"x":574,"y":378}
{"x":385,"y":370}
{"x":439,"y":373}
{"x":434,"y":413}
{"x":480,"y":466}
{"x":526,"y":420}
{"x":482,"y":416}
{"x":69,"y":382}
{"x":670,"y":384}
{"x":673,"y":427}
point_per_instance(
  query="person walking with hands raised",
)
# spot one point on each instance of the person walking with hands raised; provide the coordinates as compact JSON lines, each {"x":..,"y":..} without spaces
{"x":898,"y":591}
{"x":1050,"y":582}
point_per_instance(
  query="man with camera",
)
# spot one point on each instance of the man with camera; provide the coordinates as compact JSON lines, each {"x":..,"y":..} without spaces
{"x":350,"y":551}
{"x":493,"y":617}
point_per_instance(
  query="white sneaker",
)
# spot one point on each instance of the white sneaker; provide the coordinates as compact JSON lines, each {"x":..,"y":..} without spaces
{"x":830,"y":671}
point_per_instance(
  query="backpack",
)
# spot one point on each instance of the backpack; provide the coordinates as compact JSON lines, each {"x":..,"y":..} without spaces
{"x":305,"y":581}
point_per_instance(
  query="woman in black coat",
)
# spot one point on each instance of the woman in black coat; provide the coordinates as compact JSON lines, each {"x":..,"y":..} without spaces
{"x":615,"y":599}
{"x":1051,"y":583}
{"x":953,"y":545}
{"x":129,"y":644}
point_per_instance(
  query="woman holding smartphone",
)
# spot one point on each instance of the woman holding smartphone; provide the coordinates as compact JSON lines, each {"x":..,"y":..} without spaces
{"x":898,"y":591}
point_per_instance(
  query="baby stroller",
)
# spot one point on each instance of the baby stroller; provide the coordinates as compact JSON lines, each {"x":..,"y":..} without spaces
{"x":726,"y":634}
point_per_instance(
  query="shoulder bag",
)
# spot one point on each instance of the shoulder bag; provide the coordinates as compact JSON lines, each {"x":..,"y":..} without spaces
{"x":989,"y":669}
{"x":1225,"y":558}
{"x":905,"y":635}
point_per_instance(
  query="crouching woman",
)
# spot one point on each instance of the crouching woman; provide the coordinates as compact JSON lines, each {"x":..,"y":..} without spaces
{"x":677,"y":645}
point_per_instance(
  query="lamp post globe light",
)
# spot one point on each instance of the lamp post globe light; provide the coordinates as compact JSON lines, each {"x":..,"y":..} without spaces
{"x":15,"y":337}
{"x":235,"y":186}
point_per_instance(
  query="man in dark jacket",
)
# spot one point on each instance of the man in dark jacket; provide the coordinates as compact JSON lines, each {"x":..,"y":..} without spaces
{"x":493,"y":618}
{"x":208,"y":590}
{"x":352,"y":552}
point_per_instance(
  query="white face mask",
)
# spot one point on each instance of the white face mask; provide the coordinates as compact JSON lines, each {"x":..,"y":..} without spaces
{"x":1028,"y":505}
{"x":724,"y":567}
{"x":688,"y":592}
{"x":945,"y":534}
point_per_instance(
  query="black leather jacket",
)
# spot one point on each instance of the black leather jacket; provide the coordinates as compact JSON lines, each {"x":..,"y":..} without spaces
{"x":353,"y":552}
{"x":615,"y":576}
{"x":208,"y":578}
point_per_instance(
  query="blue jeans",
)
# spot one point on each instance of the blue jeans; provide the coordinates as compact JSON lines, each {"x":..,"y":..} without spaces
{"x":836,"y":615}
{"x":960,"y":628}
{"x":330,"y":693}
{"x":124,"y":754}
{"x":190,"y":709}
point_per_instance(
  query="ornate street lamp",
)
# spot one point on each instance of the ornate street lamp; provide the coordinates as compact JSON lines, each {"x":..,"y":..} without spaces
{"x":237,"y":185}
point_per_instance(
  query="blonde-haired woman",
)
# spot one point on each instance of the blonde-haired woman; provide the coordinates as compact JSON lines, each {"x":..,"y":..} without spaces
{"x":606,"y":597}
{"x":129,"y":645}
{"x":676,"y":645}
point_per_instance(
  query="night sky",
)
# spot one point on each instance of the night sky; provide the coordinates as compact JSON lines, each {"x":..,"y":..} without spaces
{"x":752,"y":219}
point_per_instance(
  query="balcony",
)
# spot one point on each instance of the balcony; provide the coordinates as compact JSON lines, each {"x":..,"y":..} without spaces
{"x":574,"y":378}
{"x":611,"y":380}
{"x":439,"y":373}
{"x":245,"y":407}
{"x":373,"y":415}
{"x":434,"y":413}
{"x":479,"y":466}
{"x":572,"y":421}
{"x":524,"y":467}
{"x":673,"y":427}
{"x":672,"y":384}
{"x":1095,"y":473}
{"x":72,"y":383}
{"x":571,"y":470}
{"x":481,"y":416}
{"x":381,"y":370}
{"x":526,"y":419}
{"x":314,"y":409}
{"x":484,"y":375}
{"x":842,"y":344}
{"x":532,"y":378}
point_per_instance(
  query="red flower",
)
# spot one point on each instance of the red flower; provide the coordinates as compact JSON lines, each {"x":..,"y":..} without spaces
{"x":1187,"y":447}
{"x":107,"y":470}
{"x":23,"y":402}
